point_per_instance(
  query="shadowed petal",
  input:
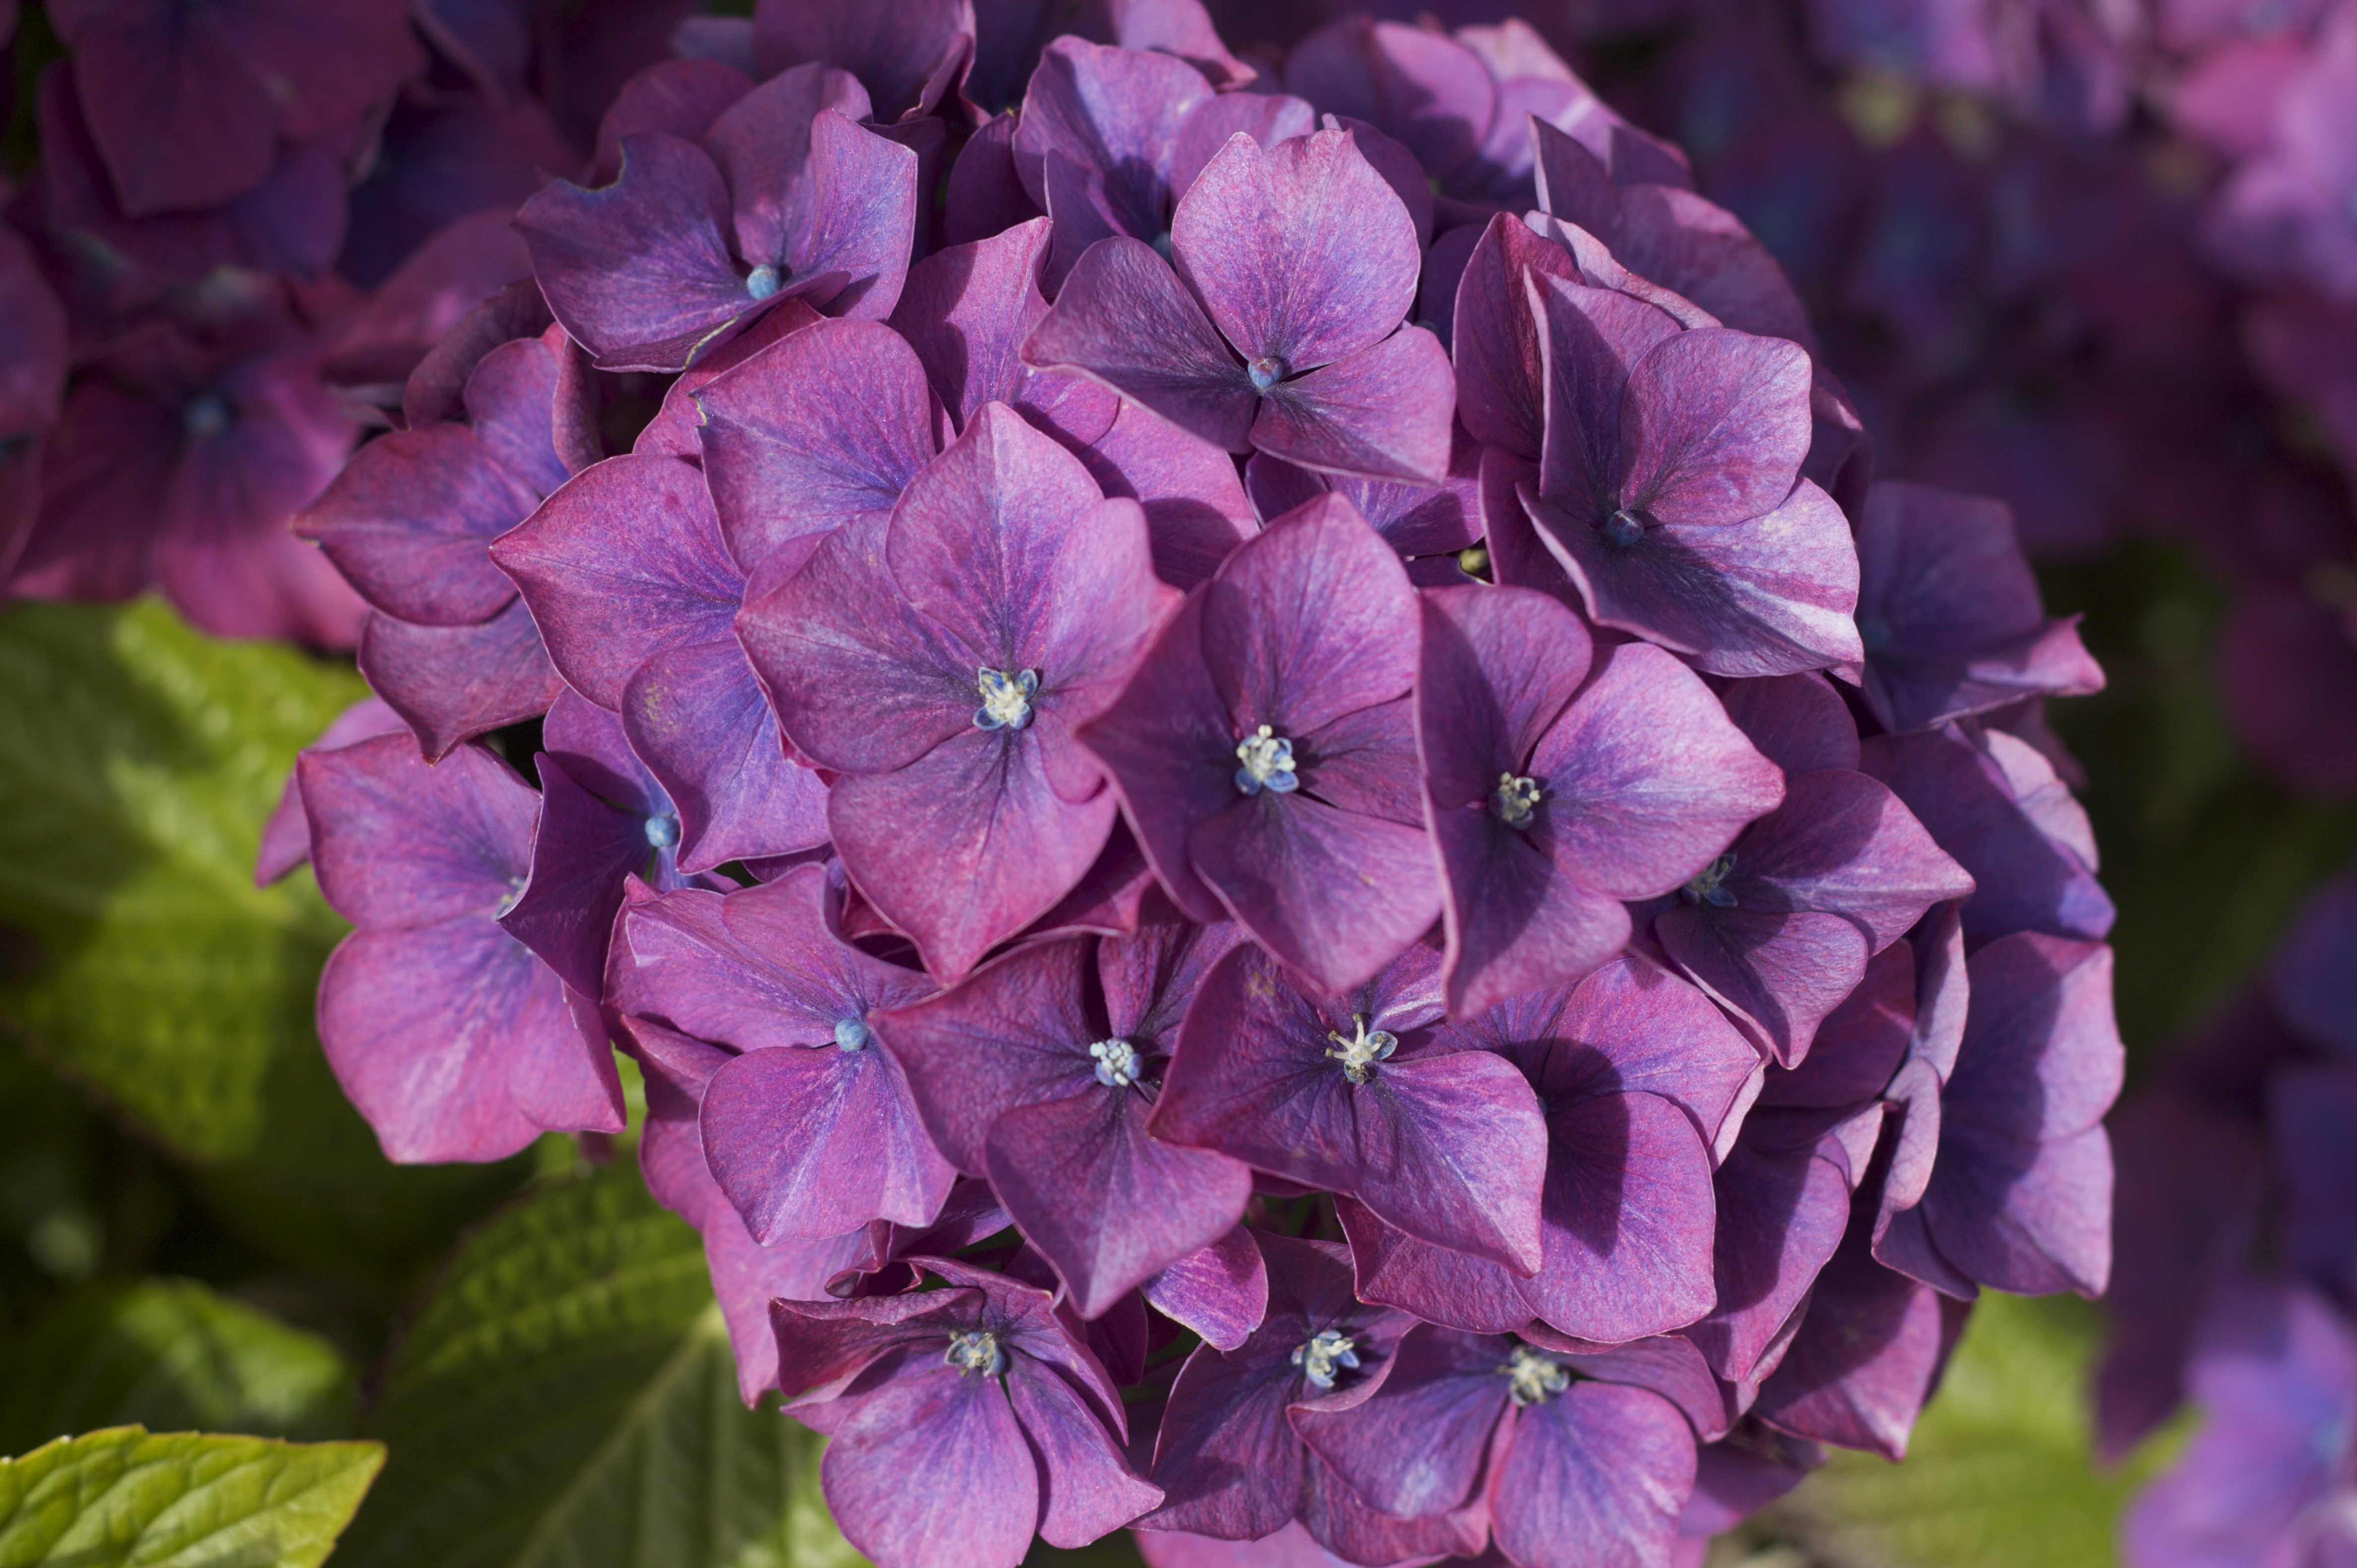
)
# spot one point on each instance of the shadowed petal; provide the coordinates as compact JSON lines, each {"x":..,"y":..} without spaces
{"x":698,"y":717}
{"x":1126,"y":321}
{"x":979,"y":1498}
{"x":1089,"y":1491}
{"x":1220,"y":1291}
{"x":1381,"y":413}
{"x":1595,"y":1478}
{"x":452,"y":683}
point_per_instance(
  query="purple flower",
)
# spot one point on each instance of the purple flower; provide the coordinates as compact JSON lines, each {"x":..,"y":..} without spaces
{"x":808,"y":1127}
{"x":1225,"y":1455}
{"x":939,"y":658}
{"x":1280,"y":330}
{"x":286,"y":836}
{"x":188,"y":107}
{"x":2267,"y":1477}
{"x":1264,"y":758}
{"x":408,"y":521}
{"x":2286,"y":215}
{"x":1357,"y":1095}
{"x":1949,"y":612}
{"x":1568,"y":1456}
{"x":1669,"y":489}
{"x":634,"y":542}
{"x":981,"y":1391}
{"x":1785,"y":1186}
{"x":2021,"y":1193}
{"x":1637,"y":1074}
{"x":1031,"y":1075}
{"x":1561,"y":783}
{"x":1778,"y":929}
{"x":175,"y":462}
{"x":1993,"y":803}
{"x":451,"y":1038}
{"x":783,"y":196}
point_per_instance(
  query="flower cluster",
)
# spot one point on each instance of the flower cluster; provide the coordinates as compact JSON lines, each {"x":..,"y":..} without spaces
{"x":1292,"y":844}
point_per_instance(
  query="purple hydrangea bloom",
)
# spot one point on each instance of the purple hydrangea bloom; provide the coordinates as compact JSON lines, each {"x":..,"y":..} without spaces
{"x":1563,"y":1452}
{"x":1780,"y":928}
{"x":2021,"y":1188}
{"x":981,"y":1389}
{"x":1561,"y":784}
{"x":1032,"y":1077}
{"x":635,"y":540}
{"x":1357,"y":1094}
{"x":1638,"y":1077}
{"x":1264,"y":761}
{"x":782,"y":195}
{"x":908,"y":60}
{"x":1280,"y":331}
{"x":188,"y":108}
{"x":1949,"y":615}
{"x":809,"y":1127}
{"x":1669,"y":486}
{"x":451,"y":1038}
{"x":1226,"y":1456}
{"x":939,"y":658}
{"x":408,"y":521}
{"x":2267,"y":1477}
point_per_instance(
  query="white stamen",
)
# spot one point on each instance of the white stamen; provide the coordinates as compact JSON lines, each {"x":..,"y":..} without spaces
{"x":1117,"y":1063}
{"x":1006,"y":699}
{"x":1323,"y":1355}
{"x":1532,"y":1378}
{"x":1359,"y":1054}
{"x":1267,"y":759}
{"x":1514,"y":800}
{"x":976,"y":1351}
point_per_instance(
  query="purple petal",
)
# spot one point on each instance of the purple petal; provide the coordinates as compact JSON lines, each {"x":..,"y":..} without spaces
{"x":1380,"y":413}
{"x":680,"y":98}
{"x":754,"y":969}
{"x":698,"y":717}
{"x":286,"y":836}
{"x":1267,"y":118}
{"x":407,"y":519}
{"x":1425,"y":87}
{"x":1798,"y":721}
{"x":1649,"y":774}
{"x":863,"y":211}
{"x":1770,"y":597}
{"x":985,"y":195}
{"x":1126,"y":321}
{"x":450,"y":684}
{"x":1781,"y":1212}
{"x":639,"y":270}
{"x":1713,"y":427}
{"x":1220,"y":1291}
{"x":1590,"y":341}
{"x":1595,"y":1478}
{"x":396,"y":844}
{"x":1777,"y":973}
{"x":1196,"y":513}
{"x":423,"y":1025}
{"x":763,"y":144}
{"x":1114,"y":114}
{"x":1416,"y":1447}
{"x":1107,"y":1204}
{"x":980,"y":1497}
{"x":1866,"y":1356}
{"x":1501,"y":378}
{"x":1089,"y":1489}
{"x":582,"y":848}
{"x":1301,"y":250}
{"x":908,"y":60}
{"x":1703,"y":252}
{"x":625,"y":562}
{"x":826,"y":426}
{"x":815,"y":1141}
{"x":672,"y":433}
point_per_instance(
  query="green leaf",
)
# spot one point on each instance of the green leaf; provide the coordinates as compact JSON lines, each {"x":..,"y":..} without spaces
{"x":124,"y":1499}
{"x":2000,"y":1473}
{"x":568,"y":1397}
{"x":138,"y":760}
{"x":170,"y":1355}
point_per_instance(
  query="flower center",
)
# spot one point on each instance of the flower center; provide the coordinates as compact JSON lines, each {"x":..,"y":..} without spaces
{"x":1324,"y":1354}
{"x":851,"y":1034}
{"x":1531,"y":1377}
{"x":1874,"y":632}
{"x":976,"y":1351}
{"x":206,"y":416}
{"x":1625,"y":527}
{"x":1006,"y":699}
{"x":663,"y":831}
{"x":1117,"y":1063}
{"x":1266,"y":371}
{"x":1514,"y":799}
{"x":1267,"y":759}
{"x":1359,"y":1054}
{"x":1706,"y":890}
{"x":763,"y":280}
